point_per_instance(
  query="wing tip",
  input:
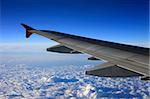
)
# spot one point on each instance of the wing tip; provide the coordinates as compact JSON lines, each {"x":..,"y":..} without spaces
{"x":27,"y":27}
{"x":28,"y":33}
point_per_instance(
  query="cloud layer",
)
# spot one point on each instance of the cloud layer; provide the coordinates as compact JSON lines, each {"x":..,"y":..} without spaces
{"x":21,"y":81}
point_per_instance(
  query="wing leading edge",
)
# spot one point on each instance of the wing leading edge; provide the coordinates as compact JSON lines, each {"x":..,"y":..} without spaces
{"x":123,"y":60}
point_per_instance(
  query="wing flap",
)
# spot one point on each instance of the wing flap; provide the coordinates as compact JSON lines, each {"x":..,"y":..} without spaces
{"x":62,"y":49}
{"x":111,"y":70}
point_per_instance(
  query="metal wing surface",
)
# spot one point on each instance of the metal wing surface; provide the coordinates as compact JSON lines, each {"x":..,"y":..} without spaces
{"x":123,"y":60}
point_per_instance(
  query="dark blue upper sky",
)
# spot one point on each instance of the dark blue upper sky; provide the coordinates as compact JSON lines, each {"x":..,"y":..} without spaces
{"x":113,"y":20}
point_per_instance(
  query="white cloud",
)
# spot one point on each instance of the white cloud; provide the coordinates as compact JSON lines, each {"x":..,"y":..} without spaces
{"x":20,"y":81}
{"x":24,"y":47}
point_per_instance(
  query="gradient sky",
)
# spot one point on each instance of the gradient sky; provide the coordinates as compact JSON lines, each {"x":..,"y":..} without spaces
{"x":124,"y":21}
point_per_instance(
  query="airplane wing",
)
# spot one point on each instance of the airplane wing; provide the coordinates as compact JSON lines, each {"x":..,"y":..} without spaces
{"x":122,"y":60}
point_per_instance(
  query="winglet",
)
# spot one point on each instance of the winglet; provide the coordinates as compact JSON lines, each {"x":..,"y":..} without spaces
{"x":27,"y":30}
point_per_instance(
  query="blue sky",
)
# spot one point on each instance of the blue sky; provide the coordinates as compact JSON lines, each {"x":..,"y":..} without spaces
{"x":124,"y":21}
